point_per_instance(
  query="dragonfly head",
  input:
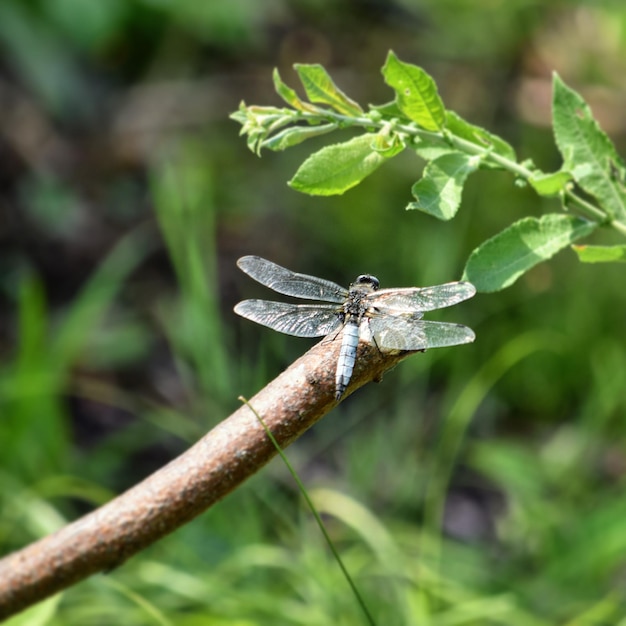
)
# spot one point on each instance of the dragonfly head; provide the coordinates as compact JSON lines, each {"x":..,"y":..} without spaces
{"x":368,"y":281}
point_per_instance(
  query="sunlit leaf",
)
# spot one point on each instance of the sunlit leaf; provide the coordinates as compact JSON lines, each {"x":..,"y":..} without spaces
{"x":388,"y":144}
{"x":475,"y":134}
{"x":290,"y":96}
{"x":601,"y":254}
{"x":295,"y":135}
{"x":549,"y":184}
{"x":501,"y":260}
{"x":587,"y":152}
{"x":258,"y":122}
{"x":337,"y":168}
{"x":416,"y":93}
{"x":319,"y":87}
{"x":438,"y":193}
{"x":432,"y":147}
{"x":388,"y":110}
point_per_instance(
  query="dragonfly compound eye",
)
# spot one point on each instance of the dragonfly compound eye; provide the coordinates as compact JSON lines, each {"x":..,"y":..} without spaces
{"x":368,"y":279}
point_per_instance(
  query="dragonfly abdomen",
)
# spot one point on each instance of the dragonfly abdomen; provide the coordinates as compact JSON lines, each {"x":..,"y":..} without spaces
{"x":347,"y":357}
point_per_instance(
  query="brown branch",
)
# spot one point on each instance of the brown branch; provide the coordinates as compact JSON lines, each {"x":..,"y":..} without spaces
{"x":231,"y":452}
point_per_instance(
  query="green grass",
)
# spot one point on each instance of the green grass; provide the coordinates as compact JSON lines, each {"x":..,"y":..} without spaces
{"x":387,"y":459}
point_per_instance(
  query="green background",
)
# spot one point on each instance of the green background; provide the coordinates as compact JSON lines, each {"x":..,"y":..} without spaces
{"x":482,"y":484}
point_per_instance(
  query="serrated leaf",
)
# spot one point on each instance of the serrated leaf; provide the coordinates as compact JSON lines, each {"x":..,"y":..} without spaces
{"x":587,"y":151}
{"x":549,"y":184}
{"x":475,"y":134}
{"x":501,"y":260}
{"x":438,"y":193}
{"x":335,"y":169}
{"x":319,"y":87}
{"x":601,"y":254}
{"x":295,"y":135}
{"x":290,"y":96}
{"x":416,"y":93}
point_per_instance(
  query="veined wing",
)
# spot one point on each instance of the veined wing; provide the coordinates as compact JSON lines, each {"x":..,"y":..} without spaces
{"x":414,"y":299}
{"x":397,"y":333}
{"x":300,"y":320}
{"x":290,"y":283}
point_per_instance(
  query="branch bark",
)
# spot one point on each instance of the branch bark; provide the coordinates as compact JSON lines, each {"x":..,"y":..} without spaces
{"x":231,"y":452}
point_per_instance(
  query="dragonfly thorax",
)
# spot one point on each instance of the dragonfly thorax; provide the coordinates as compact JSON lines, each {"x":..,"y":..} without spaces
{"x":354,"y":308}
{"x":366,"y":280}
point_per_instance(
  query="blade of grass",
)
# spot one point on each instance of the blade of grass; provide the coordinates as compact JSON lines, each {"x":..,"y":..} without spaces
{"x":97,"y":295}
{"x":183,"y":200}
{"x":316,"y":515}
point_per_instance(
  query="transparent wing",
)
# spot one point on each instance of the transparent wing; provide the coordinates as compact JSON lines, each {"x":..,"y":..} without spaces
{"x":301,"y":320}
{"x":397,"y":333}
{"x":290,"y":283}
{"x":416,"y":299}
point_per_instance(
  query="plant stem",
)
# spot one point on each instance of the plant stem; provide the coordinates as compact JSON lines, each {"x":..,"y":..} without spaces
{"x":586,"y":209}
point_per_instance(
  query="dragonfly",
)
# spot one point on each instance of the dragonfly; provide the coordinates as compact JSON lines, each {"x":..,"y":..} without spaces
{"x":390,"y":319}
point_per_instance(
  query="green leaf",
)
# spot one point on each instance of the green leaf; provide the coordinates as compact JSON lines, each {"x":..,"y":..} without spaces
{"x":258,"y":122}
{"x":337,"y":168}
{"x":295,"y":135}
{"x":587,"y":152}
{"x":319,"y":87}
{"x":439,"y":191}
{"x":601,"y":254}
{"x":456,"y":125}
{"x":240,"y":115}
{"x":290,"y":96}
{"x":416,"y":93}
{"x":388,"y":143}
{"x":432,"y":147}
{"x":269,"y":118}
{"x":389,"y":110}
{"x":549,"y":184}
{"x":501,"y":260}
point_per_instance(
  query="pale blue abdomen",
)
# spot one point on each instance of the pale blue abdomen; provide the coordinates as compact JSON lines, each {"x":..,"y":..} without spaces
{"x":347,"y":357}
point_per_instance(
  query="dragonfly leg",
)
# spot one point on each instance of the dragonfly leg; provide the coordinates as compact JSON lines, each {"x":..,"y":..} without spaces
{"x":331,"y":336}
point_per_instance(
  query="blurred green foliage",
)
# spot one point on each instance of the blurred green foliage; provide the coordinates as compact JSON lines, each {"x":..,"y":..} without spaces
{"x":126,"y":199}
